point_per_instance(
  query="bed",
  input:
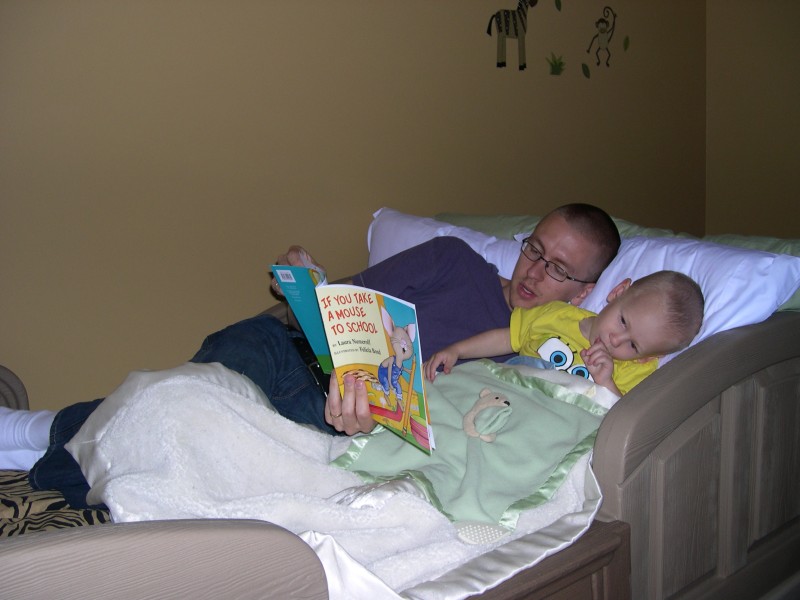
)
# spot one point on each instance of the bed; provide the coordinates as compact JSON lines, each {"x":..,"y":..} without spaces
{"x":696,"y":466}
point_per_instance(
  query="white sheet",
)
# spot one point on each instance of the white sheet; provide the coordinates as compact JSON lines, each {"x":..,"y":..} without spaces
{"x":200,"y":441}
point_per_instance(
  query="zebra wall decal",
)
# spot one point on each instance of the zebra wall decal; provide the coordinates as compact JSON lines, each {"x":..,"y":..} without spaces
{"x":511,"y":24}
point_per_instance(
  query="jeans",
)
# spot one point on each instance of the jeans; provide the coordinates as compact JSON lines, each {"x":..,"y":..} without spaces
{"x":260,"y":348}
{"x":57,"y":470}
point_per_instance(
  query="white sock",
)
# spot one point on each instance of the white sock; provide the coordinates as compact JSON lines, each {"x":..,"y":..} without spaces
{"x":22,"y":460}
{"x":25,"y":429}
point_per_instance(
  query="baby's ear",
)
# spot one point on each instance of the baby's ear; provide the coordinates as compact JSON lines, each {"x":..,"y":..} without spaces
{"x":618,"y":289}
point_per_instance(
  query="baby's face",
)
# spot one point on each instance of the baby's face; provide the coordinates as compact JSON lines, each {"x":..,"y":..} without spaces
{"x":633,"y":327}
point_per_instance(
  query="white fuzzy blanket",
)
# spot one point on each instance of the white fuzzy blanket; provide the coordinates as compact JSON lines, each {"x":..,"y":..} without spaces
{"x":200,"y":441}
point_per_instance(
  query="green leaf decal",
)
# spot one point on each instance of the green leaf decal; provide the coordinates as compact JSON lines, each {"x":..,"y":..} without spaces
{"x":558,"y":5}
{"x":625,"y":43}
{"x":586,"y":72}
{"x":556,"y":63}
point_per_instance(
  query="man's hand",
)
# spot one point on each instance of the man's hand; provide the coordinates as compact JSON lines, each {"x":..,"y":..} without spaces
{"x":349,"y":413}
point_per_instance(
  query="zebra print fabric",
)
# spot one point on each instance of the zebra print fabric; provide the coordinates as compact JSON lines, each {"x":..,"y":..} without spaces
{"x":24,"y":510}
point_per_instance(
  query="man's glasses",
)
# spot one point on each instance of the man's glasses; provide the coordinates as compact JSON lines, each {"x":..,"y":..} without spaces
{"x":552,"y":269}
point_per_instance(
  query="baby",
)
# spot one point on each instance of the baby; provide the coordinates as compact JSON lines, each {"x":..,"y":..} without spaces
{"x":617,"y":348}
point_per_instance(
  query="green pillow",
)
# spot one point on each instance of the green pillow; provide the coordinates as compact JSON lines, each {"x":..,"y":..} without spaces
{"x":507,"y":226}
{"x":755,"y":242}
{"x":503,"y":227}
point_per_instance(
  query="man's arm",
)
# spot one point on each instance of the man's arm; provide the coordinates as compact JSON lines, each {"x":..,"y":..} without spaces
{"x":297,"y":256}
{"x":456,"y":292}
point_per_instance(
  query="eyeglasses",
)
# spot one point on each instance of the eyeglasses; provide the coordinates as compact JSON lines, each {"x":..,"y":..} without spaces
{"x":552,"y":269}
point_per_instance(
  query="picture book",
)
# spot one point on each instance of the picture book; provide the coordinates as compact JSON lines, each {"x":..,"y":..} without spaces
{"x":297,"y":285}
{"x":371,"y":335}
{"x":375,"y":337}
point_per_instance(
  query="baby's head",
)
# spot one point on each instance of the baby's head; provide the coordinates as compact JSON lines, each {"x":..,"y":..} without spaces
{"x":656,"y":315}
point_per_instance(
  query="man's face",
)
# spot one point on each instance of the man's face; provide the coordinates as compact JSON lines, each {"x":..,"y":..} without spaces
{"x":558,"y":242}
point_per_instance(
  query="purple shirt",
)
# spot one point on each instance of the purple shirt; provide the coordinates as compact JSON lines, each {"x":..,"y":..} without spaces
{"x":456,"y":292}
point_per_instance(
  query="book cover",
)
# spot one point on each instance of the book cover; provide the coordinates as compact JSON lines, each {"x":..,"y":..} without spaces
{"x":375,"y":337}
{"x":297,"y":285}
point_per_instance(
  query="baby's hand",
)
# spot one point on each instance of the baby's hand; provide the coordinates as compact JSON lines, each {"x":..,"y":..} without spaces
{"x":599,"y":362}
{"x":445,"y":358}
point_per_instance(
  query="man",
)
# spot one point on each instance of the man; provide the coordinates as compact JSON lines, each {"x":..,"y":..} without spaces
{"x":457,"y":294}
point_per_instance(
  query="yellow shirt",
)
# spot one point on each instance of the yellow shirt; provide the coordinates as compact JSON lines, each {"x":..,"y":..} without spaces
{"x":552,"y":333}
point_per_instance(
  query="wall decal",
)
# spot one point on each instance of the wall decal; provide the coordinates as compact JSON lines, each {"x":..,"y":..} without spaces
{"x":605,"y":31}
{"x":556,"y":63}
{"x":605,"y":27}
{"x":511,"y":24}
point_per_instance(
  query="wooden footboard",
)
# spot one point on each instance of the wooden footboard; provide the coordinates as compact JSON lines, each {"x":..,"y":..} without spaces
{"x":595,"y":567}
{"x":701,"y":460}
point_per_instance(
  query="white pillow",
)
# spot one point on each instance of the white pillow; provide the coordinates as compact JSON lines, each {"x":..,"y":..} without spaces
{"x":392,"y":231}
{"x":740,"y":286}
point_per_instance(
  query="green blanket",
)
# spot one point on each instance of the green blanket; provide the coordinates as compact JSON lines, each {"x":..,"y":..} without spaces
{"x":505,"y":440}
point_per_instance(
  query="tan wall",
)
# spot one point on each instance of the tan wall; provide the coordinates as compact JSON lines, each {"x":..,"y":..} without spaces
{"x":156,"y":156}
{"x":753,"y":153}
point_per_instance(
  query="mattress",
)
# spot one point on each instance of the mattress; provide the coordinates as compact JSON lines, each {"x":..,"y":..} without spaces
{"x":25,"y":510}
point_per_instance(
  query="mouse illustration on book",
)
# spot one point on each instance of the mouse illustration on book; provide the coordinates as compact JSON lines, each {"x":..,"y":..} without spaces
{"x":391,"y":368}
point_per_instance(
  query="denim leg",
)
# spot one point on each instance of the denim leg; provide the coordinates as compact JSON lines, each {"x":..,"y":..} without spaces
{"x":57,"y":470}
{"x":261,"y":348}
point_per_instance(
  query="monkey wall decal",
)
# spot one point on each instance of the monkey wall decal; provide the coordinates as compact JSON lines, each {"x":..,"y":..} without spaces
{"x":605,"y":31}
{"x":511,"y":24}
